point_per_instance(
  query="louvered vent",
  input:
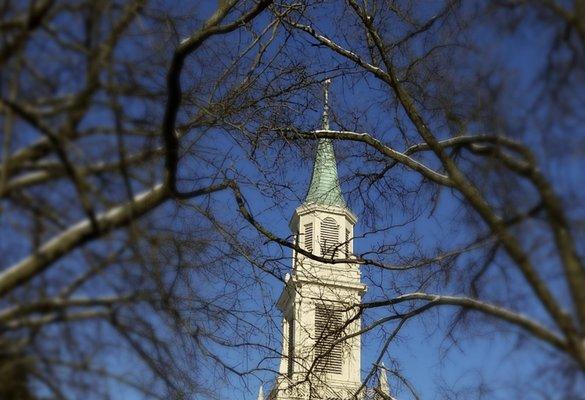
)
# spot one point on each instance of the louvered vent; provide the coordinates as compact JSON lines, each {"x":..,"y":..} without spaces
{"x":328,"y":329}
{"x":329,"y":237}
{"x":309,"y":237}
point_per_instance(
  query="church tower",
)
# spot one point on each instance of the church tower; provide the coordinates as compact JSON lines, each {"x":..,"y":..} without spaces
{"x":321,"y":351}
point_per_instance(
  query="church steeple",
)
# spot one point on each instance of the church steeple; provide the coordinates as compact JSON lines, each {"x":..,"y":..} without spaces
{"x":318,"y":298}
{"x":324,"y":188}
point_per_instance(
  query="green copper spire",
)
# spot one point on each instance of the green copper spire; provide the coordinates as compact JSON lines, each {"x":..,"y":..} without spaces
{"x":324,"y":188}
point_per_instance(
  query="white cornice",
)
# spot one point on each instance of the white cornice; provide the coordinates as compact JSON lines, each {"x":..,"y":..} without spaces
{"x":305,"y":209}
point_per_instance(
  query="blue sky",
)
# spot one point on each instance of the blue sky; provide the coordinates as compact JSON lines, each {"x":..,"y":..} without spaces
{"x":476,"y":354}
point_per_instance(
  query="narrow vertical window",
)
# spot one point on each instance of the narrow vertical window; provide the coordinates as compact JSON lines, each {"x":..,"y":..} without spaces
{"x":347,"y":237}
{"x":296,"y":252}
{"x":328,"y":329}
{"x":291,"y":347}
{"x":329,"y":237}
{"x":309,"y":237}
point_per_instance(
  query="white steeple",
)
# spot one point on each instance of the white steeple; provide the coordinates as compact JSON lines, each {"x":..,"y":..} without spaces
{"x":318,"y":299}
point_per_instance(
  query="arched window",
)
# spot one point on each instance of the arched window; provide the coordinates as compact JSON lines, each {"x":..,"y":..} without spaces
{"x":329,"y":237}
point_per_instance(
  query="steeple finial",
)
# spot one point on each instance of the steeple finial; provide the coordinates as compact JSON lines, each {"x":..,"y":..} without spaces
{"x":383,"y":385}
{"x":261,"y":393}
{"x":324,"y":188}
{"x":326,"y":104}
